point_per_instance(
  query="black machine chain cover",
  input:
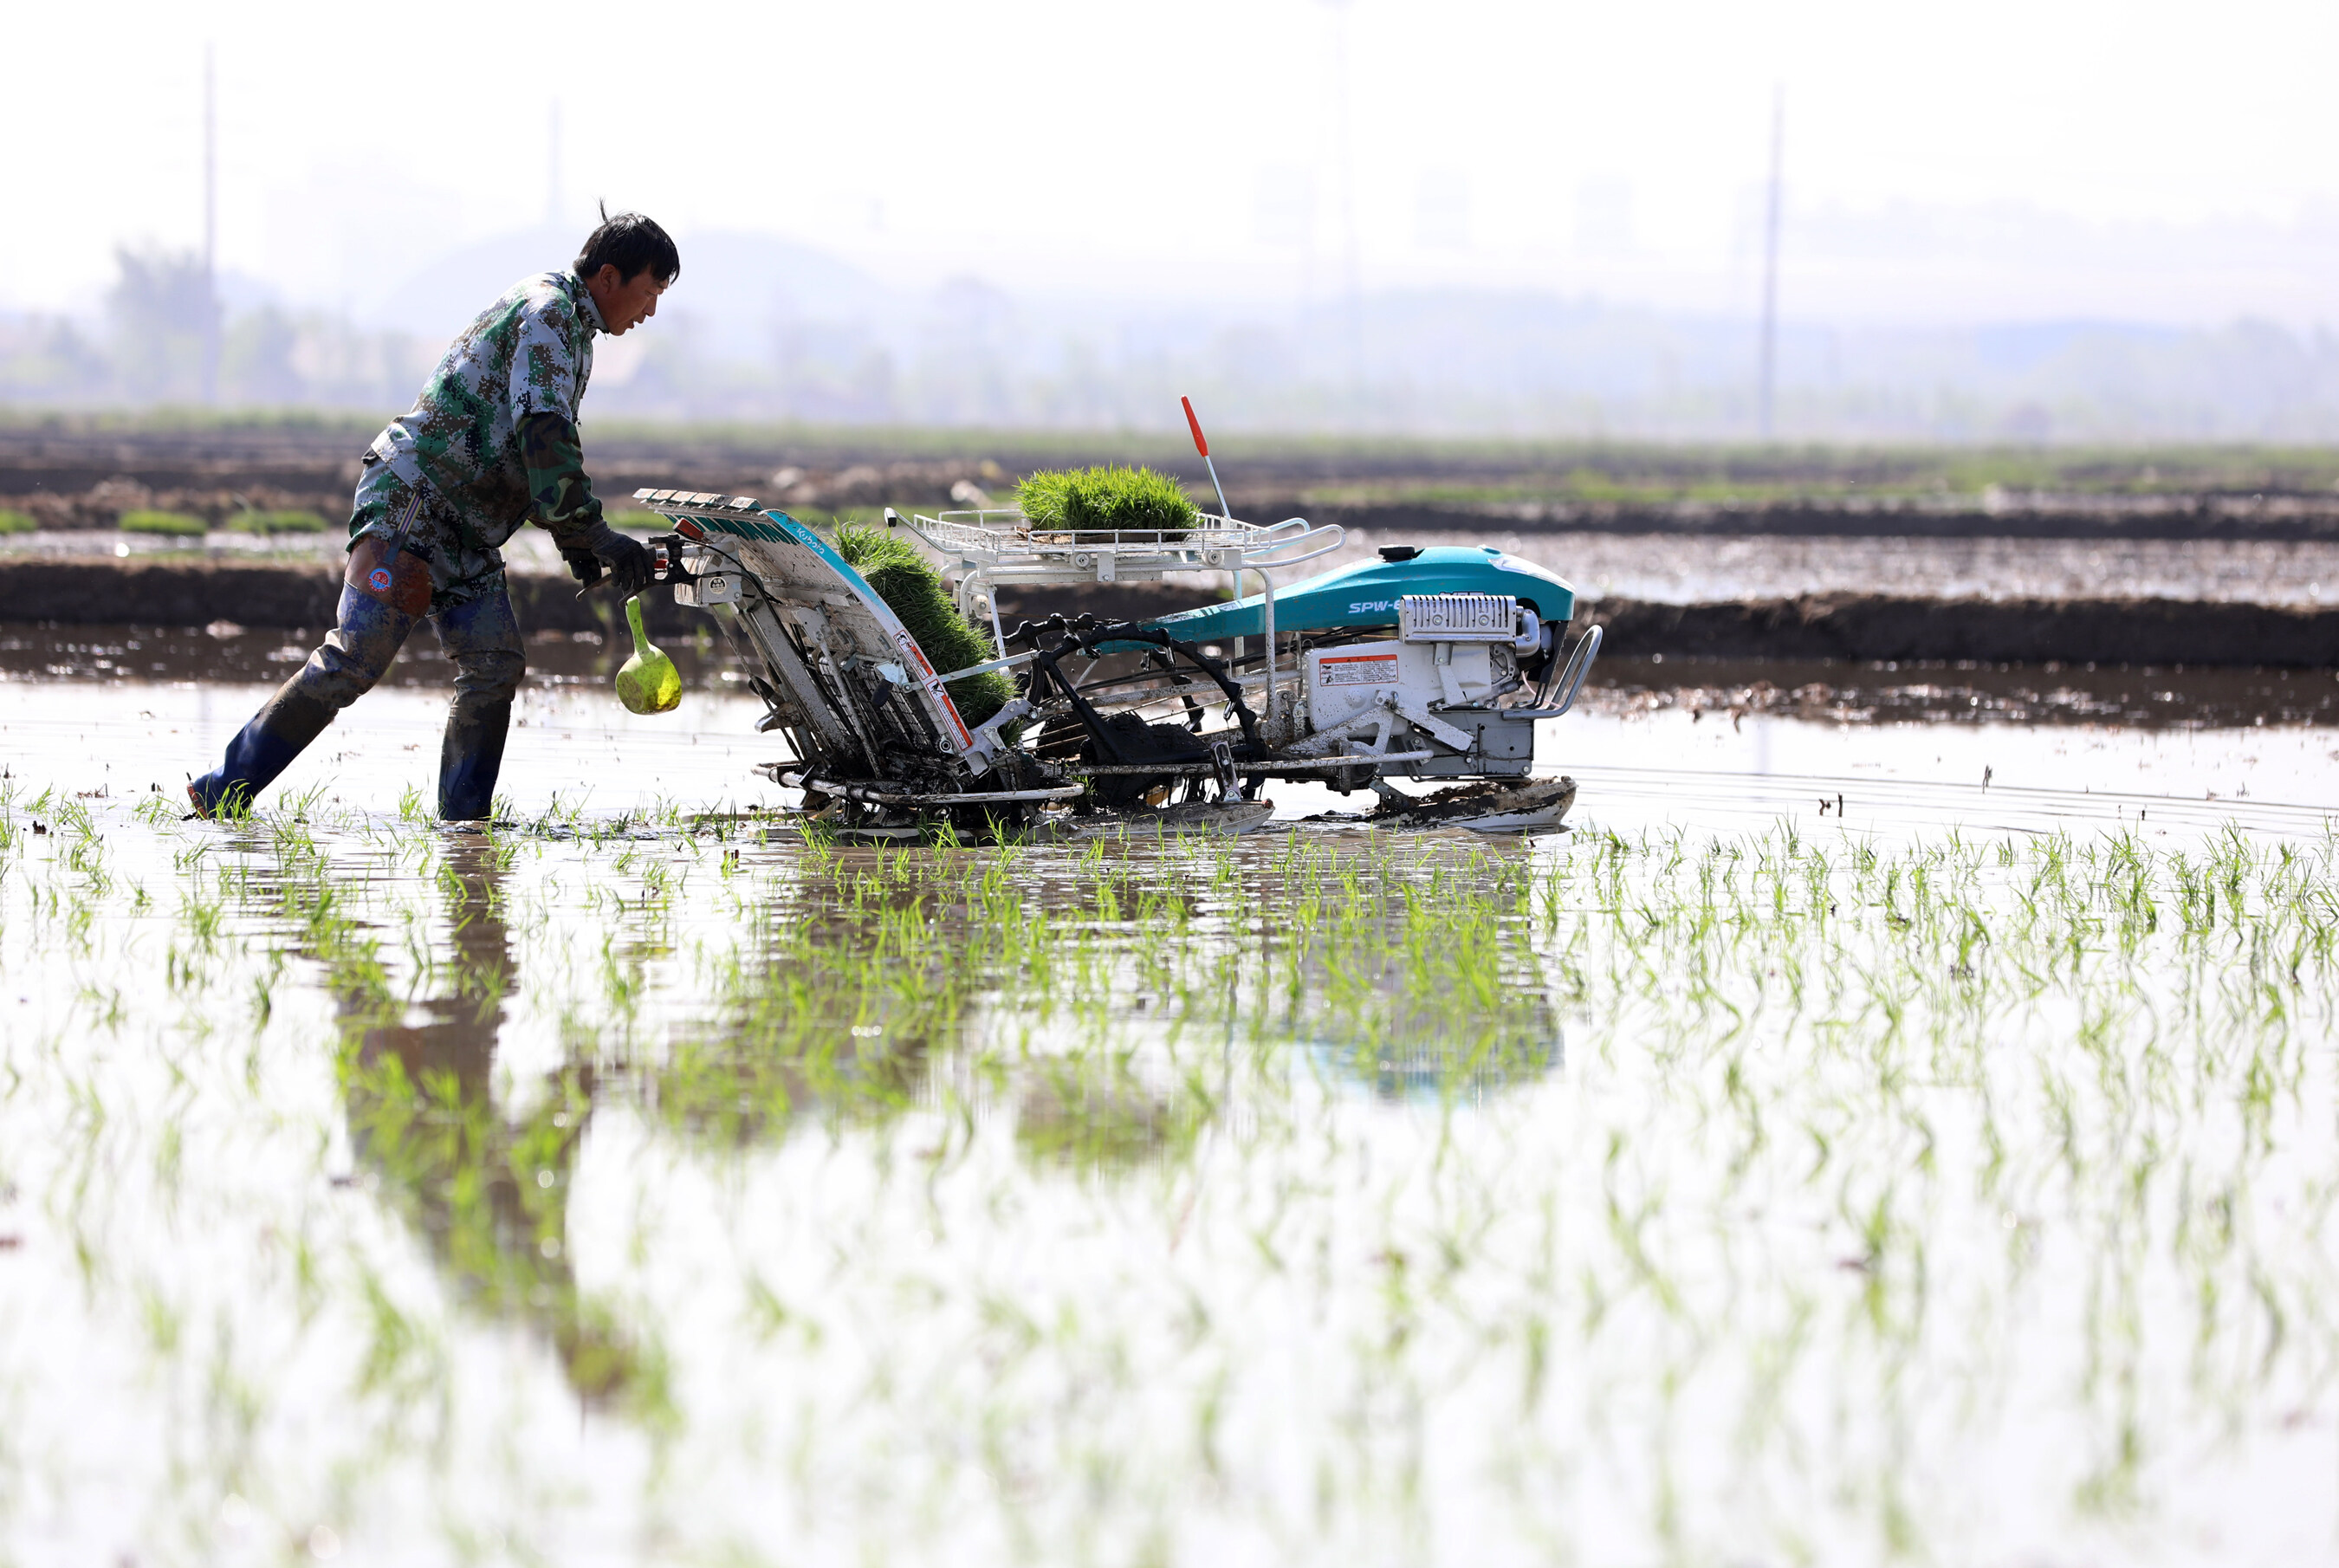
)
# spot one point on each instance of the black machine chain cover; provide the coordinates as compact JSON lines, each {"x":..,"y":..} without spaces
{"x":1138,"y":743}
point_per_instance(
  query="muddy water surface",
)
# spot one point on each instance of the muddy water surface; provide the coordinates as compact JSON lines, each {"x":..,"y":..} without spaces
{"x":1656,"y":568}
{"x":1665,"y":569}
{"x":1863,"y":1140}
{"x":1656,"y":743}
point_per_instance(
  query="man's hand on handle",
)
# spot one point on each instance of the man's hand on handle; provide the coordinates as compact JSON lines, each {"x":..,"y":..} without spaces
{"x":625,"y":560}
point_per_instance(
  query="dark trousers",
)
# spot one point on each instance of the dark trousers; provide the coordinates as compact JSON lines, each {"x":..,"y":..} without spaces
{"x":478,"y":634}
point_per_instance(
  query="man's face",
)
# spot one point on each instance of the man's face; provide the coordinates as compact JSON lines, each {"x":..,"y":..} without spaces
{"x":625,"y":306}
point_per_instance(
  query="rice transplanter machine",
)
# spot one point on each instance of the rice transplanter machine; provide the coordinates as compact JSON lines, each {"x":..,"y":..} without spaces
{"x":1427,"y":665}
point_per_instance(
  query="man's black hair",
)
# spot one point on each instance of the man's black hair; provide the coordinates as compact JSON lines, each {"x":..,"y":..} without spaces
{"x":629,"y":242}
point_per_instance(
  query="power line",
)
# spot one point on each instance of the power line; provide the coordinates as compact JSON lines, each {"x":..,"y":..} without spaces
{"x":1352,"y":307}
{"x":210,"y":232}
{"x":1770,"y":367}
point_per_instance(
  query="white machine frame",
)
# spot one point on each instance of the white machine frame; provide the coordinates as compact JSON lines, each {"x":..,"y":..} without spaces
{"x":999,"y":547}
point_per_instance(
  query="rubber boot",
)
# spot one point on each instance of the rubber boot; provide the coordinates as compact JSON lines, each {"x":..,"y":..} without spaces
{"x":265,"y":747}
{"x":366,"y":636}
{"x":471,"y":757}
{"x":484,"y":640}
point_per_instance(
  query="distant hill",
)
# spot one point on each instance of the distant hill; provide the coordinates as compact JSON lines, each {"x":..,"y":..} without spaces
{"x":749,"y":282}
{"x":763,"y":328}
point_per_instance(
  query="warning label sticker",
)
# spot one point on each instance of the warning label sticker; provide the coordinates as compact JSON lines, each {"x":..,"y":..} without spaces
{"x":1358,"y":670}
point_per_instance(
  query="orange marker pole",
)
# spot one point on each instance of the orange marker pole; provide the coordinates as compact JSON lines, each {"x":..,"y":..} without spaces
{"x":1266,"y":584}
{"x":1203,"y":447}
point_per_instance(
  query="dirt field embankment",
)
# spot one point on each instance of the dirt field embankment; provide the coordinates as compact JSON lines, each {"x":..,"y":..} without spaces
{"x":198,"y":593}
{"x":1841,"y":626}
{"x":82,"y":475}
{"x":1866,"y":628}
{"x":1862,"y":627}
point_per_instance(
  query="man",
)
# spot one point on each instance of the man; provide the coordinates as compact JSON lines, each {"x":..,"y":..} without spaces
{"x":492,"y":442}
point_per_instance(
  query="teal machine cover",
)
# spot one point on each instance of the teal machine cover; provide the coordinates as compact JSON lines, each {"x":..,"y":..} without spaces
{"x":1366,"y":594}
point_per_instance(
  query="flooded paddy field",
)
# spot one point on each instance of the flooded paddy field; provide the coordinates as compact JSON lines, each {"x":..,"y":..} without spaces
{"x":1898,"y":1124}
{"x":1652,"y":566}
{"x":1657,"y":567}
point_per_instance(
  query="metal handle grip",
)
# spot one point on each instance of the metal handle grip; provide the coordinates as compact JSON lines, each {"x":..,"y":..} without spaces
{"x":1271,"y":550}
{"x":1560,"y":696}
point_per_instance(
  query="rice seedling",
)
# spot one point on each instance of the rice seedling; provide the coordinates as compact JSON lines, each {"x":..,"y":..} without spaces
{"x":1106,"y":499}
{"x":1669,"y":1194}
{"x":252,"y":521}
{"x":171,"y":525}
{"x":912,"y":589}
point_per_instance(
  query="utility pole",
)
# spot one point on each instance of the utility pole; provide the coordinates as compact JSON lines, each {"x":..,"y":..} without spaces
{"x":1770,"y":366}
{"x":210,"y":232}
{"x":1351,"y":282}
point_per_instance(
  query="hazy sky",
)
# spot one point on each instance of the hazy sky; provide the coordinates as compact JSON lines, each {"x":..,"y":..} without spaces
{"x":2146,"y":159}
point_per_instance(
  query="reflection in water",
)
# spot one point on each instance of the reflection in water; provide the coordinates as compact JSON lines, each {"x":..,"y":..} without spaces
{"x":490,"y":1195}
{"x":1453,"y":1020}
{"x":1104,"y":1001}
{"x":1423,"y":1068}
{"x":1109,"y":1003}
{"x":743,"y":1085}
{"x":1874,"y":1163}
{"x":1096,"y":1117}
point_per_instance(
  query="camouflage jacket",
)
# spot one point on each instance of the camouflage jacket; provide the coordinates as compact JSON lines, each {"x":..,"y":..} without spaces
{"x":531,"y":352}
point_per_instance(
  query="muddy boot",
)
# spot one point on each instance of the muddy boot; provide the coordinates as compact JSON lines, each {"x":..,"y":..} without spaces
{"x":278,"y":732}
{"x":483,"y":639}
{"x":366,"y":635}
{"x":471,"y":757}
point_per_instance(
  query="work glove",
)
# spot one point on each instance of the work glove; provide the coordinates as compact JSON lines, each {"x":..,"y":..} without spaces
{"x":602,"y":547}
